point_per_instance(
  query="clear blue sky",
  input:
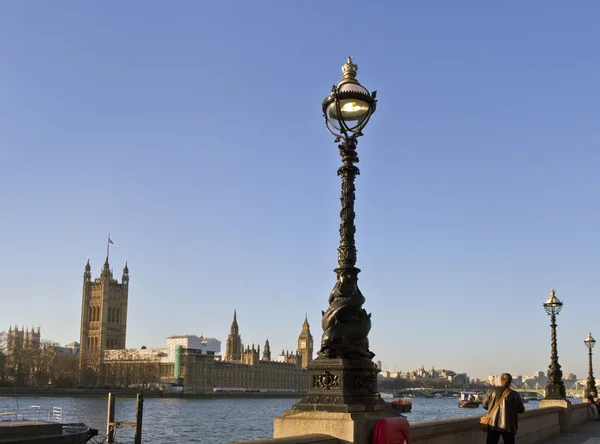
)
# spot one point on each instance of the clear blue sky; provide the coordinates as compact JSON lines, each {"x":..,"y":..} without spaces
{"x":192,"y":131}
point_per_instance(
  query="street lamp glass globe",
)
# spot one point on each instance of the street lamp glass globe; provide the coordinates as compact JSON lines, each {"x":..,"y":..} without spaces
{"x":349,"y":106}
{"x":590,"y":341}
{"x":553,"y":305}
{"x":353,"y":112}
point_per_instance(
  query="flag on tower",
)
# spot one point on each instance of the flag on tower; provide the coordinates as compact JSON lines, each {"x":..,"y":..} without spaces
{"x":110,"y":241}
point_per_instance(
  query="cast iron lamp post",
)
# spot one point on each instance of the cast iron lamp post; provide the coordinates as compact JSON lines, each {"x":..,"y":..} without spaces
{"x":343,"y":377}
{"x":555,"y":388}
{"x":591,"y":381}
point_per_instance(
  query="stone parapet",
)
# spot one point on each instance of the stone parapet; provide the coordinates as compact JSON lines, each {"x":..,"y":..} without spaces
{"x":579,"y":413}
{"x":565,"y":416}
{"x":304,"y":439}
{"x":348,"y":428}
{"x":535,"y":426}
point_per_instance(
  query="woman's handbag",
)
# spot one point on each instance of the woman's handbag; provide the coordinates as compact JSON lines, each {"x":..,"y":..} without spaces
{"x":485,"y":419}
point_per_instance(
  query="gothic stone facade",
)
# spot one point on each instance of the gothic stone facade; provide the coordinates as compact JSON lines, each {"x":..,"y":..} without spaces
{"x":200,"y":373}
{"x":262,"y":375}
{"x":103,"y":315}
{"x":22,"y":339}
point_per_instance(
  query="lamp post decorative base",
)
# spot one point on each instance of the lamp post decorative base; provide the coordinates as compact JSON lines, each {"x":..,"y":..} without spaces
{"x":342,"y":385}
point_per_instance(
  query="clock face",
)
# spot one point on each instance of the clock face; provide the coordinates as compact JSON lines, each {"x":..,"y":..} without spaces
{"x":302,"y":344}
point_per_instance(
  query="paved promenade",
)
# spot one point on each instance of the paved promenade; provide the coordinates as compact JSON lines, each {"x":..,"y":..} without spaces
{"x":586,"y":433}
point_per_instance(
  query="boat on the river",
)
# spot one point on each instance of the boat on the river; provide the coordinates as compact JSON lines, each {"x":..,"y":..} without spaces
{"x":469,"y":400}
{"x":402,"y":405}
{"x":16,"y":427}
{"x":386,"y":395}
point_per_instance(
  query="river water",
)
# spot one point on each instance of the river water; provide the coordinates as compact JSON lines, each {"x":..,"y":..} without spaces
{"x":207,"y":421}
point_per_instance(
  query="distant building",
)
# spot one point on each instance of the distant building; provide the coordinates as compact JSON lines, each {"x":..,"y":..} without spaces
{"x":235,"y":352}
{"x":379,"y":365}
{"x":267,"y":351}
{"x":461,"y":379}
{"x":71,"y":349}
{"x":193,"y":342}
{"x":305,"y":344}
{"x":22,"y":339}
{"x":21,"y":346}
{"x":103,"y":315}
{"x":189,"y":361}
{"x":288,"y":357}
{"x":233,"y":348}
{"x":427,"y":375}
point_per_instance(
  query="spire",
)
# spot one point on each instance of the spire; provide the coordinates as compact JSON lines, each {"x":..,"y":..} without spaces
{"x":235,"y":329}
{"x":106,"y":268}
{"x":267,"y":351}
{"x":126,"y":269}
{"x":305,"y":325}
{"x":87,"y":274}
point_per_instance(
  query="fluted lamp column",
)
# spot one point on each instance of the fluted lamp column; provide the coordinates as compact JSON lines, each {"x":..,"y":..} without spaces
{"x":555,"y":388}
{"x":591,"y":381}
{"x":343,"y":378}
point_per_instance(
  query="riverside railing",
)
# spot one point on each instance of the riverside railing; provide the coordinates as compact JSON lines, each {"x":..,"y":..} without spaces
{"x":34,"y":413}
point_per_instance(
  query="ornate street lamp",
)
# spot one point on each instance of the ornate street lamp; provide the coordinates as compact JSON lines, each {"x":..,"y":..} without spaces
{"x":343,"y":378}
{"x":555,"y":388}
{"x":591,"y":381}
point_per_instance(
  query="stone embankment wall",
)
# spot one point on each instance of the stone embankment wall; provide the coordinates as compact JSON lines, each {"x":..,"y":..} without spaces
{"x":304,"y":439}
{"x":535,"y":426}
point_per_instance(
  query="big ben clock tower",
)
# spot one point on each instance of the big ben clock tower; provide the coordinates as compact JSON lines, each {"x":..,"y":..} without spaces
{"x":305,"y":344}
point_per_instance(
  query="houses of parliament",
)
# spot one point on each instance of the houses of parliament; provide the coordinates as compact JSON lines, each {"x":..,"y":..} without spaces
{"x":188,"y":362}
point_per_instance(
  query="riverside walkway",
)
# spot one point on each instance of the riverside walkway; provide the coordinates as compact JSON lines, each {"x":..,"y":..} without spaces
{"x":586,"y":433}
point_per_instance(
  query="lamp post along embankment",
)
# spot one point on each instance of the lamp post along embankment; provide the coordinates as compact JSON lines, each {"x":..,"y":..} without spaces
{"x":555,"y":394}
{"x":342,"y":399}
{"x":591,"y":381}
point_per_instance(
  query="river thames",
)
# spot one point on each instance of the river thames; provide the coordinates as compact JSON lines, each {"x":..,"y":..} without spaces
{"x":208,"y":421}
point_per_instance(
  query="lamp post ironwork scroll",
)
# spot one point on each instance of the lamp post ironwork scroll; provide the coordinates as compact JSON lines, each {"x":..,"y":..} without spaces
{"x":555,"y":388}
{"x":591,"y":381}
{"x":343,"y":377}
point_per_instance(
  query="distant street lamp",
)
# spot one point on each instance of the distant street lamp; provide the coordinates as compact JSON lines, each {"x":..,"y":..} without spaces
{"x":555,"y":388}
{"x":343,"y":378}
{"x":591,"y":381}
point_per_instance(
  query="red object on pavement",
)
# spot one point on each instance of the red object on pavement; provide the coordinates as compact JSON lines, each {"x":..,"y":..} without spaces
{"x":391,"y":431}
